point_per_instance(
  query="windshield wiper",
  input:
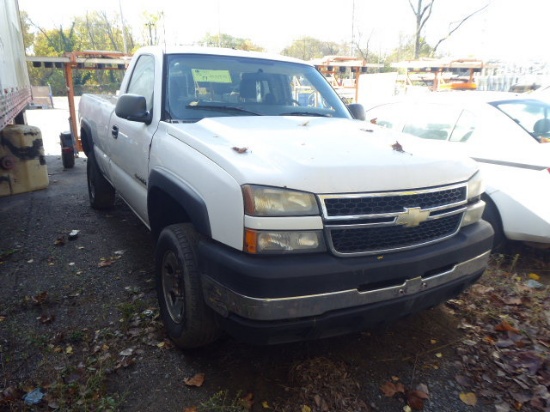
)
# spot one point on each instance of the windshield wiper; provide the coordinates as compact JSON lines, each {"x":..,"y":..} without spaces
{"x":220,"y":108}
{"x":316,"y":114}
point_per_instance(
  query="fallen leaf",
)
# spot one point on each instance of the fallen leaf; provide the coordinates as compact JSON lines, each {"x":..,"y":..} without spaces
{"x":265,"y":405}
{"x":469,"y":398}
{"x":422,"y":387}
{"x":506,"y":327}
{"x":196,"y":380}
{"x":191,"y":409}
{"x":388,"y":389}
{"x":107,"y":261}
{"x":46,"y":319}
{"x":397,"y":147}
{"x":247,"y":401}
{"x":534,"y":276}
{"x":39,"y":299}
{"x":515,"y":301}
{"x":2,"y":318}
{"x":60,"y":241}
{"x":305,"y":408}
{"x":481,"y":289}
{"x":127,"y":352}
{"x":240,"y":149}
{"x":415,"y":401}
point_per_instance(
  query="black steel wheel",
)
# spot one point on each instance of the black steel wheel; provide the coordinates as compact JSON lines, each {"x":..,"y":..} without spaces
{"x":100,"y":192}
{"x":190,"y":323}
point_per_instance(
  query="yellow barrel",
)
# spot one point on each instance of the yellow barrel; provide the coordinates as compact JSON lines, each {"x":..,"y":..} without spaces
{"x":22,"y":161}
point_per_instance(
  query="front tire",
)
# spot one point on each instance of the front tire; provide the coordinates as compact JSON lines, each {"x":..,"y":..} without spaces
{"x":100,"y":192}
{"x":190,"y":323}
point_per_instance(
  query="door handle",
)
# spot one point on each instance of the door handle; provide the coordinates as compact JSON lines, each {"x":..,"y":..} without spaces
{"x":114,"y":131}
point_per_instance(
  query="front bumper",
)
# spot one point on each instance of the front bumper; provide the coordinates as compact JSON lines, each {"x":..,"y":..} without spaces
{"x":285,"y":298}
{"x":227,"y":301}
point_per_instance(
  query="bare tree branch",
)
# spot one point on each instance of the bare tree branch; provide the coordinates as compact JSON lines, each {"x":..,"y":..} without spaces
{"x":458,"y":25}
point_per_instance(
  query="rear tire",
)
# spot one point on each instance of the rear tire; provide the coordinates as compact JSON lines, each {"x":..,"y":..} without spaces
{"x":491,"y":215}
{"x":100,"y":192}
{"x":190,"y":323}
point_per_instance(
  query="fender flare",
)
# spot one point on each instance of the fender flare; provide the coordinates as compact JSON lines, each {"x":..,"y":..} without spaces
{"x":86,"y":130}
{"x":183,"y":195}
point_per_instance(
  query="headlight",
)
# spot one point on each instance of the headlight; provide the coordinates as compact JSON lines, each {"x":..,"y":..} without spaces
{"x":475,"y":206}
{"x":476,"y":186}
{"x":272,"y":201}
{"x":268,"y":241}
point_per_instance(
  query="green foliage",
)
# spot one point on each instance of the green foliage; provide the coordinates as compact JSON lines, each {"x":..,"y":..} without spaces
{"x":226,"y":40}
{"x":28,"y":35}
{"x":406,"y":50}
{"x":308,"y":48}
{"x":93,"y":31}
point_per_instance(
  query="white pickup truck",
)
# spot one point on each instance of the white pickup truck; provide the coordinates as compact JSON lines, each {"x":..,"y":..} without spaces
{"x":278,"y":214}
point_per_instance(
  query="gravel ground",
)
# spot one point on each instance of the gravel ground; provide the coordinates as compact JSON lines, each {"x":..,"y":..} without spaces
{"x":72,"y":310}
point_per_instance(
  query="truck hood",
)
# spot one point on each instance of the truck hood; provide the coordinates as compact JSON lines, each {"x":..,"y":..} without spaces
{"x":321,"y":155}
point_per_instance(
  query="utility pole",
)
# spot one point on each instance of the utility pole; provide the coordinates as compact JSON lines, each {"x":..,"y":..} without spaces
{"x":150,"y":25}
{"x":125,"y":45}
{"x":352,"y":45}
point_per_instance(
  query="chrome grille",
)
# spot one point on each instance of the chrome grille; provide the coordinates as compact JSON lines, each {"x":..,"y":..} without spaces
{"x":376,"y":204}
{"x":373,"y":223}
{"x":382,"y":238}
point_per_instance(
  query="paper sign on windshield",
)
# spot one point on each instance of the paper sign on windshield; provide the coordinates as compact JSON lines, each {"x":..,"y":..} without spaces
{"x":212,"y":76}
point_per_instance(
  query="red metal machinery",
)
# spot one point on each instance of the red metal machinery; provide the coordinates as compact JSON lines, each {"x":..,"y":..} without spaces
{"x":82,"y":60}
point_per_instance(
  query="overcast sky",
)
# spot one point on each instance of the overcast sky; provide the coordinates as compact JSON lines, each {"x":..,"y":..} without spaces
{"x":508,"y":29}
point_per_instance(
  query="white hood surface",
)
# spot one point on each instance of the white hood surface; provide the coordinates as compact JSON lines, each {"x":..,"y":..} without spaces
{"x":321,"y":155}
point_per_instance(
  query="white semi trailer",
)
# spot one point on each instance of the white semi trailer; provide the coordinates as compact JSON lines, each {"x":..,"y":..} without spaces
{"x":15,"y":89}
{"x":22,"y":161}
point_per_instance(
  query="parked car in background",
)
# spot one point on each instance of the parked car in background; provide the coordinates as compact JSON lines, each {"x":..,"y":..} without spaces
{"x":507,"y":134}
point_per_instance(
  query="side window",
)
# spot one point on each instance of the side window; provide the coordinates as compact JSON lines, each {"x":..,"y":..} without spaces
{"x":431,"y":121}
{"x":464,"y":127}
{"x":143,"y":79}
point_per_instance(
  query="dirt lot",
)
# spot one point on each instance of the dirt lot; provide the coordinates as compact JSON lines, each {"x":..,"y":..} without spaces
{"x":79,"y":329}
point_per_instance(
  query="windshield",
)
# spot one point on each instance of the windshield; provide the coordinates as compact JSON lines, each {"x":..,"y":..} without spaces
{"x":532,"y":115}
{"x":199,"y":86}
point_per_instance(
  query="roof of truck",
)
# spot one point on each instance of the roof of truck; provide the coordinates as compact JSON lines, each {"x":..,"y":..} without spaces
{"x":220,"y":51}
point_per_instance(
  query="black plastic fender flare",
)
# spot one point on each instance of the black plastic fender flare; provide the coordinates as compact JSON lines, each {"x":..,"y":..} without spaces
{"x":86,"y":136}
{"x":184,"y":195}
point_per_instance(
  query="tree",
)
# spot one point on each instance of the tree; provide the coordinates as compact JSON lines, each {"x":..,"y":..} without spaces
{"x":28,"y":35}
{"x":308,"y":48}
{"x":151,"y":26}
{"x":454,"y":26}
{"x":422,"y":12}
{"x":226,"y":40}
{"x":93,"y":31}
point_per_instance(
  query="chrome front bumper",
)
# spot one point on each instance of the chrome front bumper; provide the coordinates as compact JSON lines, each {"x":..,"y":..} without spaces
{"x":225,"y":301}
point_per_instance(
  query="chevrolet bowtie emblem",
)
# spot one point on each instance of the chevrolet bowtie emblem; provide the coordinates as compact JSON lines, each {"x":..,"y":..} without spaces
{"x":412,"y":217}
